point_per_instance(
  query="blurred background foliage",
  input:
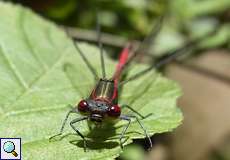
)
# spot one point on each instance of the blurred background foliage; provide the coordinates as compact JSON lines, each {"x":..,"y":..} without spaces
{"x":133,"y":19}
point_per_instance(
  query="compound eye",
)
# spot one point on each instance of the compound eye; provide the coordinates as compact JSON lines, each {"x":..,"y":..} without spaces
{"x":83,"y":106}
{"x":114,"y":111}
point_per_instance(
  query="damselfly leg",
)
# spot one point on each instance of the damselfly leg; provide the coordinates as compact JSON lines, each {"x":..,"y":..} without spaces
{"x":73,"y":110}
{"x":129,"y":118}
{"x":134,"y":111}
{"x":77,"y":131}
{"x":74,"y":121}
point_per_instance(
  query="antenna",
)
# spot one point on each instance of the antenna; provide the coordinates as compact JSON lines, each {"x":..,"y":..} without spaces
{"x":100,"y":46}
{"x":90,"y":67}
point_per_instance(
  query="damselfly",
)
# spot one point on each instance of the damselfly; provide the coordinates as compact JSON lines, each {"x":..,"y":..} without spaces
{"x":102,"y":104}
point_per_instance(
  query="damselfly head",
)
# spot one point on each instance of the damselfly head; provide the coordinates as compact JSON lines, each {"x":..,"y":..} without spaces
{"x":98,"y":109}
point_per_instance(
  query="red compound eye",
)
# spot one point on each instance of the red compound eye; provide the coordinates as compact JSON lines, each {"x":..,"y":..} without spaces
{"x":114,"y":111}
{"x":83,"y":106}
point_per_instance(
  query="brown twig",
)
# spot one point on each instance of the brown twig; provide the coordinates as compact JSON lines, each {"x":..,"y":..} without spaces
{"x":91,"y":36}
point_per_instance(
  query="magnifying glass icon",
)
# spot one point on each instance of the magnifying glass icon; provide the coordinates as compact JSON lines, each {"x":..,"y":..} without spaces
{"x":9,"y":147}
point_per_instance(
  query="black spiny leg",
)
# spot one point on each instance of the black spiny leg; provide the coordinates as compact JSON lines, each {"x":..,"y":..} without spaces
{"x":73,"y":110}
{"x":76,"y":130}
{"x":145,"y":131}
{"x":128,"y":118}
{"x":134,"y":111}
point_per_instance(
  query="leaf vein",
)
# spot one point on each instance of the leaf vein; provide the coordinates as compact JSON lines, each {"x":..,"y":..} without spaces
{"x":39,"y":78}
{"x":13,"y":69}
{"x":21,"y":23}
{"x":28,"y":111}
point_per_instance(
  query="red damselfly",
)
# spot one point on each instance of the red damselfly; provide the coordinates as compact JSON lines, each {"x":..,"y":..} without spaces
{"x":102,"y":104}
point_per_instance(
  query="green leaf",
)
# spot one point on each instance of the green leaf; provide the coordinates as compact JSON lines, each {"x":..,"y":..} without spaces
{"x":133,"y":152}
{"x":35,"y":88}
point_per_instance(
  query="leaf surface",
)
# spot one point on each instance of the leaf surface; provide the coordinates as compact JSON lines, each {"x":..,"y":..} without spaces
{"x":35,"y":89}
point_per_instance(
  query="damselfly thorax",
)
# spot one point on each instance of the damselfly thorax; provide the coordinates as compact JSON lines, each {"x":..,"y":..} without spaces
{"x":105,"y":90}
